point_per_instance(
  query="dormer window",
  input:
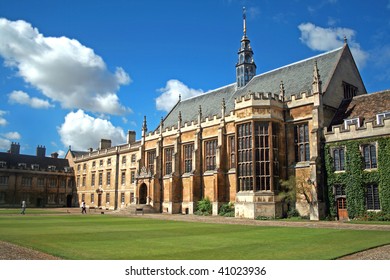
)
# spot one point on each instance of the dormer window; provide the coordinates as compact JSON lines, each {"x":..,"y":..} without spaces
{"x":21,"y":165}
{"x":3,"y":164}
{"x":380,"y":117}
{"x":51,"y":167}
{"x":349,"y":122}
{"x":34,"y":166}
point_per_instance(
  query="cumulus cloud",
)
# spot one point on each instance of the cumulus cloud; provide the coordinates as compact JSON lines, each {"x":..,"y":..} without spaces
{"x":171,"y":92}
{"x":82,"y":131}
{"x":4,"y":144}
{"x":21,"y":97}
{"x":3,"y":121}
{"x":326,"y":39}
{"x":61,"y":68}
{"x":12,"y":135}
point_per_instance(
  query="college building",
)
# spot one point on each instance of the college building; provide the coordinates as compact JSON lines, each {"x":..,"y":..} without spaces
{"x":311,"y":121}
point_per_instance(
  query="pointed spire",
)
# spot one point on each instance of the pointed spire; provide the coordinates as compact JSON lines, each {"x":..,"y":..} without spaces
{"x":161,"y":125}
{"x":179,"y":97}
{"x":316,"y":84}
{"x":345,"y":40}
{"x":244,"y":20}
{"x":199,"y":115}
{"x":223,"y":108}
{"x":144,"y":126}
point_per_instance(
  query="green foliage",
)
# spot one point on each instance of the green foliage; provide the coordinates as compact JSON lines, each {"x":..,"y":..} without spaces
{"x":374,"y":216}
{"x":204,"y":207}
{"x":227,"y":210}
{"x":355,"y":178}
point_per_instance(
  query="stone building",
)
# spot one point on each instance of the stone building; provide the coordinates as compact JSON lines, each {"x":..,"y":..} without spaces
{"x":39,"y":180}
{"x":105,"y":177}
{"x":358,"y":156}
{"x":247,"y":136}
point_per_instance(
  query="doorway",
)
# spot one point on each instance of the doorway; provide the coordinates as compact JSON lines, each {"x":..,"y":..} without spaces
{"x":69,"y":200}
{"x":342,"y":212}
{"x":142,"y":194}
{"x":99,"y":200}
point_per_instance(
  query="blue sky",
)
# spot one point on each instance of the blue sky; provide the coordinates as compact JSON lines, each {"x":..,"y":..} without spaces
{"x":73,"y":72}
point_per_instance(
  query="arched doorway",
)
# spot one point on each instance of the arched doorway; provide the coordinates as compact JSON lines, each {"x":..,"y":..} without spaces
{"x":142,"y":194}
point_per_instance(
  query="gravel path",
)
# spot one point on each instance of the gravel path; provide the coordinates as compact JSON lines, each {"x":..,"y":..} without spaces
{"x":10,"y":251}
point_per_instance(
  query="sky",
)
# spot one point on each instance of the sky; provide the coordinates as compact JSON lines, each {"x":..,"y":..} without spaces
{"x":73,"y":72}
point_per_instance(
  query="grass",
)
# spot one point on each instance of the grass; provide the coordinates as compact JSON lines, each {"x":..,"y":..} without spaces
{"x":107,"y":237}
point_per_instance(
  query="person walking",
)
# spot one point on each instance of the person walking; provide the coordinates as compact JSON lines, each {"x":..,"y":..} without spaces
{"x":83,"y":209}
{"x":23,"y":207}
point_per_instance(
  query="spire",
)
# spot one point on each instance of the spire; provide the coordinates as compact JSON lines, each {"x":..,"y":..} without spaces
{"x":245,"y":67}
{"x":316,"y":84}
{"x":144,"y":126}
{"x":282,"y":90}
{"x":244,"y":20}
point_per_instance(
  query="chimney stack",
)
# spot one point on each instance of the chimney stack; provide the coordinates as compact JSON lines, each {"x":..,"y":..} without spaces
{"x":104,"y":144}
{"x":54,"y":155}
{"x":41,"y":151}
{"x":15,"y":148}
{"x":130,"y":137}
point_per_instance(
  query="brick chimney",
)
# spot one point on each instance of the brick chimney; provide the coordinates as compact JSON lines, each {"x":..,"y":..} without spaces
{"x":41,"y":151}
{"x":15,"y":148}
{"x":54,"y":155}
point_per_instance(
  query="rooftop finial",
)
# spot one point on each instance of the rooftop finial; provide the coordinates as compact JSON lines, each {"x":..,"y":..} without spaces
{"x":345,"y":40}
{"x":244,"y":19}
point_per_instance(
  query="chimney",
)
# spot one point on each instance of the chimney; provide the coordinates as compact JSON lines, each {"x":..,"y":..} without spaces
{"x":104,"y":144}
{"x":130,"y":137}
{"x":54,"y":155}
{"x":15,"y":148}
{"x":41,"y":151}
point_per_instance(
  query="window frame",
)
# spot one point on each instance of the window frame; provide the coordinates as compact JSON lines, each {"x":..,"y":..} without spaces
{"x":372,"y":197}
{"x":210,"y":154}
{"x":302,"y":142}
{"x":370,"y":162}
{"x":188,"y":150}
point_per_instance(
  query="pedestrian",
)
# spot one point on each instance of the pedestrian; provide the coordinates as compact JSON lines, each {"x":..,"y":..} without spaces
{"x":83,"y":209}
{"x":23,"y":207}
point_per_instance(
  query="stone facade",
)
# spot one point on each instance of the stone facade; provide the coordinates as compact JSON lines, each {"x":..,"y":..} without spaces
{"x":39,"y":180}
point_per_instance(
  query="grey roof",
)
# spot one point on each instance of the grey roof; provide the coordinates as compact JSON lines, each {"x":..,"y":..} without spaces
{"x":12,"y":161}
{"x":296,"y":77}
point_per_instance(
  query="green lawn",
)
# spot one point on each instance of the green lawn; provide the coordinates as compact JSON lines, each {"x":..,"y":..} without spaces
{"x":113,"y":238}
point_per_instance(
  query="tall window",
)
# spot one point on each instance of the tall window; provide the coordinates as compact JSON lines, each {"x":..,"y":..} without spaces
{"x":372,"y":197}
{"x":232,"y":151}
{"x":123,"y":178}
{"x":339,"y":190}
{"x":100,"y":178}
{"x":210,"y":154}
{"x":369,"y":154}
{"x":108,"y":179}
{"x":188,"y":149}
{"x":123,"y":198}
{"x":244,"y":150}
{"x":26,"y":181}
{"x":168,"y":160}
{"x":262,"y":154}
{"x":123,"y":160}
{"x":338,"y":159}
{"x":151,"y":155}
{"x":3,"y":180}
{"x":302,"y":145}
{"x":132,"y":175}
{"x":93,"y":179}
{"x":107,"y":197}
{"x":92,"y":198}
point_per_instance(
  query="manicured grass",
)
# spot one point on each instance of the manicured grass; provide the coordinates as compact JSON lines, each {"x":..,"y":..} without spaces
{"x":113,"y":237}
{"x":28,"y":211}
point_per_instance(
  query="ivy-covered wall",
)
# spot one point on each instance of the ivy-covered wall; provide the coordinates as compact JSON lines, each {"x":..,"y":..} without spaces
{"x":355,"y":177}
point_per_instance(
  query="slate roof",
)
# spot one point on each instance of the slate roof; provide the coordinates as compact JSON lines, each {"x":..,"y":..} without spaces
{"x":296,"y":77}
{"x":13,"y":160}
{"x":365,"y":106}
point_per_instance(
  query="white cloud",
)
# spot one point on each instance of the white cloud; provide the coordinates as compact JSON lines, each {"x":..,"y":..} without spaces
{"x":12,"y":135}
{"x":171,"y":92}
{"x":62,"y":69}
{"x":326,"y":39}
{"x":5,"y":144}
{"x":82,"y":131}
{"x":3,"y":122}
{"x":20,"y":97}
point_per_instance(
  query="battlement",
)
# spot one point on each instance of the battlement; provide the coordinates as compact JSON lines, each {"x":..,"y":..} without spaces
{"x":354,"y":131}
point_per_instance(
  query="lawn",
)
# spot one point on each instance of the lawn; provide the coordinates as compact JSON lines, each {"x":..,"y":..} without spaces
{"x":107,"y":237}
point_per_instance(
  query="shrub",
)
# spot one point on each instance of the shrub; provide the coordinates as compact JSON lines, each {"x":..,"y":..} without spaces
{"x":204,"y":207}
{"x":374,"y":216}
{"x":227,"y":210}
{"x":292,"y":213}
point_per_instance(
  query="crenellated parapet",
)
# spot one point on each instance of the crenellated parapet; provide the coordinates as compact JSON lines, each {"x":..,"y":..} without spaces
{"x":354,"y":131}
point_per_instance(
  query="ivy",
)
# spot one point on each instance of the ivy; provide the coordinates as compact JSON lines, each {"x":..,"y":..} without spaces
{"x":355,"y":178}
